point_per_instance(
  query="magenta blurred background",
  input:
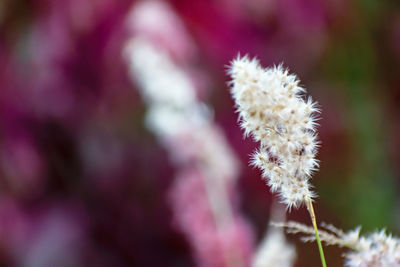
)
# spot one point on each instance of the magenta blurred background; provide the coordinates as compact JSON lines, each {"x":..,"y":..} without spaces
{"x":84,"y":183}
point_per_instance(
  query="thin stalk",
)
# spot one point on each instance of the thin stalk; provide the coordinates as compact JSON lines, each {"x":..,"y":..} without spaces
{"x":314,"y":222}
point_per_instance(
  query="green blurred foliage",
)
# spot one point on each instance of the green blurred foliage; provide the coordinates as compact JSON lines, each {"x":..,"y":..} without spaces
{"x":367,"y":198}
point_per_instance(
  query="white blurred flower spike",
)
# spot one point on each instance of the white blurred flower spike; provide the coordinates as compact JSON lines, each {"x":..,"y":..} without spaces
{"x":156,"y":21}
{"x":272,"y":109}
{"x":163,"y":81}
{"x":158,"y":56}
{"x":274,"y":250}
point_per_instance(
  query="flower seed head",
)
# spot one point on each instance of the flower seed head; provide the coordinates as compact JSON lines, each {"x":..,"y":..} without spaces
{"x":272,"y":109}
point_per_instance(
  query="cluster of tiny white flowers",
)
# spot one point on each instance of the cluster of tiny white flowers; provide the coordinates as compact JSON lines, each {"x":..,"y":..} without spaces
{"x":274,"y":251}
{"x":377,"y":250}
{"x":272,"y":109}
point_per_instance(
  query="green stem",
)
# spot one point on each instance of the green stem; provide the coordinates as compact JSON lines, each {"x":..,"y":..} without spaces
{"x":314,"y":222}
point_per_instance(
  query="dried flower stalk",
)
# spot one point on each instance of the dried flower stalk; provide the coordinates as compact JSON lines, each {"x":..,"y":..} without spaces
{"x":273,"y":110}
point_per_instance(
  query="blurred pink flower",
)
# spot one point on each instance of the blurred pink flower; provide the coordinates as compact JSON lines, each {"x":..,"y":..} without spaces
{"x":51,"y":236}
{"x":56,"y":240}
{"x":228,"y":246}
{"x":23,"y":166}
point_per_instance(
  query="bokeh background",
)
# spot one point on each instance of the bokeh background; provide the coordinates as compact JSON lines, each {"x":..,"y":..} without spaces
{"x":84,"y":183}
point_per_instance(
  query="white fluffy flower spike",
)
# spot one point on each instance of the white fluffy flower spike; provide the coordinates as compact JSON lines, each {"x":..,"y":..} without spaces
{"x":377,"y":249}
{"x":272,"y":109}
